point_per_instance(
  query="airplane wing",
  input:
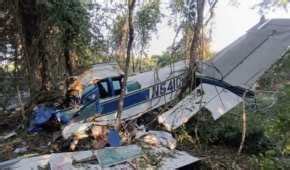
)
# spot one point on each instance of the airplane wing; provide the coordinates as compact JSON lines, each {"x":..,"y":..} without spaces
{"x":241,"y":64}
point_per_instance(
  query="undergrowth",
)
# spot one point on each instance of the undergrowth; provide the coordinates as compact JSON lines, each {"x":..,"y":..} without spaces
{"x":267,"y":142}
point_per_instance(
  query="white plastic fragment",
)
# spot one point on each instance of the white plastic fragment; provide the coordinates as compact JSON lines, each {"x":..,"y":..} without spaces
{"x":20,"y":150}
{"x":75,"y":128}
{"x":157,"y":138}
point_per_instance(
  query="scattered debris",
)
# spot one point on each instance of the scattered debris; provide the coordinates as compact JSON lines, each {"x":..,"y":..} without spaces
{"x":123,"y":157}
{"x":47,"y":116}
{"x":98,"y":133}
{"x":20,"y":150}
{"x":114,"y":138}
{"x":75,"y":128}
{"x":157,"y":138}
{"x":95,"y":96}
{"x":115,"y":155}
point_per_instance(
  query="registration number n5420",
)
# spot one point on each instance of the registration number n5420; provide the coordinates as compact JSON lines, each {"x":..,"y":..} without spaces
{"x":167,"y":86}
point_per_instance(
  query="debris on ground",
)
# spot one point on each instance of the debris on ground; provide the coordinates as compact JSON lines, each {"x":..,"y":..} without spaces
{"x":48,"y":117}
{"x":21,"y":150}
{"x":128,"y":157}
{"x":157,"y":138}
{"x":115,"y":155}
{"x":75,"y":128}
{"x":114,"y":138}
{"x":165,"y":158}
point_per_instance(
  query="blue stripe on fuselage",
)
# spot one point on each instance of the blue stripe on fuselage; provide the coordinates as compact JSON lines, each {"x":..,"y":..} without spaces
{"x":130,"y":100}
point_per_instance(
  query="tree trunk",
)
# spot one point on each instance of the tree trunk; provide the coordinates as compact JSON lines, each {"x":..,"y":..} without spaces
{"x":193,"y":53}
{"x":44,"y":68}
{"x":131,"y":5}
{"x":67,"y":53}
{"x":33,"y":29}
{"x":140,"y":63}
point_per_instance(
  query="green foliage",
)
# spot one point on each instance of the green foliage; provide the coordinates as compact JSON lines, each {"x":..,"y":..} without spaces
{"x":267,"y":5}
{"x":177,"y":6}
{"x":277,"y":128}
{"x":166,"y":58}
{"x":71,"y":25}
{"x":277,"y":76}
{"x":276,"y":125}
{"x":268,"y":131}
{"x":116,"y":32}
{"x":71,"y":22}
{"x":228,"y":130}
{"x":274,"y":3}
{"x":68,"y":15}
{"x":163,"y":60}
{"x":146,"y":21}
{"x":266,"y":162}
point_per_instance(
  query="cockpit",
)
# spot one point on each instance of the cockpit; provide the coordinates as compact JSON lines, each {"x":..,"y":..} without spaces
{"x":107,"y":88}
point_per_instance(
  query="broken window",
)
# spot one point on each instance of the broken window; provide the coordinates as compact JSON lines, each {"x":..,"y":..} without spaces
{"x":104,"y":89}
{"x":116,"y":85}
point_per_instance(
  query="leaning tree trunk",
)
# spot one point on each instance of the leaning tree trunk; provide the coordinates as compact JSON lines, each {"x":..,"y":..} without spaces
{"x":189,"y":81}
{"x":131,"y":5}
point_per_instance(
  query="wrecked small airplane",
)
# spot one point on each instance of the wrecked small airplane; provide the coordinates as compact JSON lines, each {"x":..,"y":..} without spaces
{"x":220,"y":83}
{"x":144,"y":92}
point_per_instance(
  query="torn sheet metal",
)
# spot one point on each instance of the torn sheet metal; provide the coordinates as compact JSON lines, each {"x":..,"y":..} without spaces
{"x":221,"y":101}
{"x":181,"y":112}
{"x":115,"y":155}
{"x":217,"y":100}
{"x":67,"y":160}
{"x":107,"y":158}
{"x":33,"y":163}
{"x":83,"y":160}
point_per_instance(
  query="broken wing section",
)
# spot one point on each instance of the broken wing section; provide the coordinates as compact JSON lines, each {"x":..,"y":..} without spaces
{"x":215,"y":99}
{"x":221,"y":101}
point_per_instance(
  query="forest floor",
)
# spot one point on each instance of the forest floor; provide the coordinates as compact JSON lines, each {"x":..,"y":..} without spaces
{"x":212,"y":156}
{"x":26,"y":144}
